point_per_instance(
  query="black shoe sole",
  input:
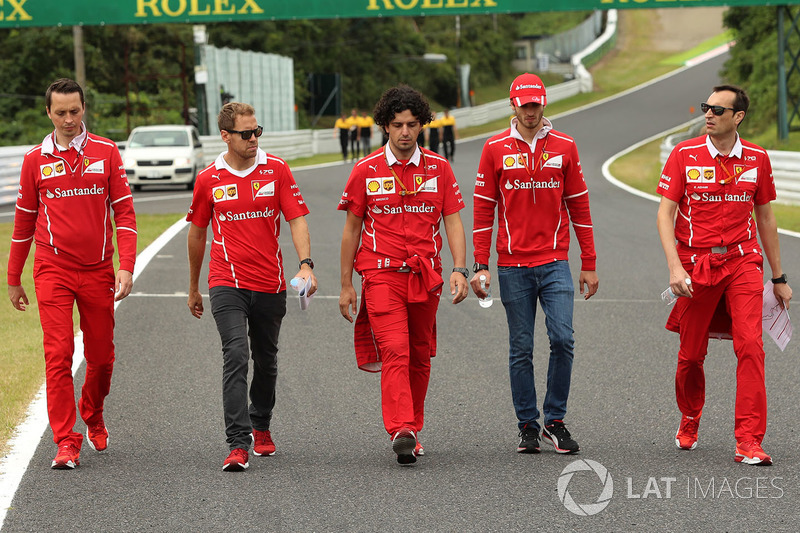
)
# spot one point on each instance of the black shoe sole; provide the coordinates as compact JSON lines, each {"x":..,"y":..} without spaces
{"x":529,"y":450}
{"x":557,"y":449}
{"x":404,"y":448}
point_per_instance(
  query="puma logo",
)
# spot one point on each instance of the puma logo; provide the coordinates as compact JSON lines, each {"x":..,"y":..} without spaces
{"x":373,"y":167}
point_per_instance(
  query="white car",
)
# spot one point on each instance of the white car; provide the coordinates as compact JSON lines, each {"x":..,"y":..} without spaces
{"x":163,"y":155}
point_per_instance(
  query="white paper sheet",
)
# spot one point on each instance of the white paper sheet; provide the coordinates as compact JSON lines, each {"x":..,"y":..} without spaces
{"x":775,"y":319}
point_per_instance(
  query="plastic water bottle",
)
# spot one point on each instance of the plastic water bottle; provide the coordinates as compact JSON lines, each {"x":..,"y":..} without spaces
{"x":485,"y":302}
{"x":297,"y":283}
{"x":669,"y":297}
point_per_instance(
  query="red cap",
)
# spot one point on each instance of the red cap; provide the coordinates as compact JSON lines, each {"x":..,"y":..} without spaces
{"x":528,"y":88}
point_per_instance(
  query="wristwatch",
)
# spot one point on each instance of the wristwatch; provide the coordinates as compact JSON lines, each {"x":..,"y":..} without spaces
{"x":780,"y":279}
{"x":307,"y":261}
{"x":477,"y":267}
{"x":462,"y":271}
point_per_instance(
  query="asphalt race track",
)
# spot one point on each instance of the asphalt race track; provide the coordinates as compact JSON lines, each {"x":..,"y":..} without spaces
{"x":334,"y":470}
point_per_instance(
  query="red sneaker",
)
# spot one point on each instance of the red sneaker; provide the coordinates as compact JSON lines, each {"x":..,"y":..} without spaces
{"x":403,"y":444}
{"x":686,"y":438}
{"x":98,"y":436}
{"x":419,"y":450}
{"x":236,"y":461}
{"x":751,"y":453}
{"x":68,"y":457}
{"x":262,"y":443}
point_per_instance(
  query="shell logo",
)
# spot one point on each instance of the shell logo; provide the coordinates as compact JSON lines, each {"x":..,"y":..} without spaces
{"x":59,"y":167}
{"x":373,"y":186}
{"x":46,"y":171}
{"x":708,"y":173}
{"x":693,"y":174}
{"x":508,"y":161}
{"x":219,"y":194}
{"x":388,"y":185}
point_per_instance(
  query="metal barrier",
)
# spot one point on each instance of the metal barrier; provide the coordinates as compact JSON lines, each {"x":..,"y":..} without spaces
{"x":300,"y":143}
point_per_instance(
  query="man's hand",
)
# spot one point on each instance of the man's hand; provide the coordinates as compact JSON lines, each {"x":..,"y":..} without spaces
{"x":18,"y":297}
{"x":783,"y":292}
{"x":475,"y":283}
{"x":304,"y":273}
{"x":123,"y":284}
{"x":590,"y":280}
{"x":680,"y":282}
{"x":458,"y":287}
{"x":195,"y":303}
{"x":347,"y":301}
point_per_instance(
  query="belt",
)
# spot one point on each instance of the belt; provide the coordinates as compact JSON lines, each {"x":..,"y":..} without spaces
{"x":719,"y":249}
{"x":404,"y":268}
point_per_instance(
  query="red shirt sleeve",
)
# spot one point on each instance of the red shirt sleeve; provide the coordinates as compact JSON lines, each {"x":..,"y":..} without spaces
{"x":292,"y":203}
{"x":576,"y":198}
{"x":124,"y":216}
{"x":766,"y":183}
{"x":485,"y":201}
{"x":354,"y":197}
{"x":200,"y":210}
{"x":453,"y":202}
{"x":671,"y":184}
{"x":27,"y":211}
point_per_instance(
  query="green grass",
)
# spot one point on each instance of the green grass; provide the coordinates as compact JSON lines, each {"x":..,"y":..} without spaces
{"x":702,"y":48}
{"x":22,"y":358}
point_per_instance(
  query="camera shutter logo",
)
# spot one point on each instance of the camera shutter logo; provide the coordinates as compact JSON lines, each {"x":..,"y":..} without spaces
{"x":585,"y":509}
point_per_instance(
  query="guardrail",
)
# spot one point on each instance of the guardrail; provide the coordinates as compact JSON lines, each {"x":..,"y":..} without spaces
{"x":293,"y":144}
{"x":785,"y":165}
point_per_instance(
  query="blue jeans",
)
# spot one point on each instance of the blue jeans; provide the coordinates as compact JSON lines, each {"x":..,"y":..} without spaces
{"x":520,"y":288}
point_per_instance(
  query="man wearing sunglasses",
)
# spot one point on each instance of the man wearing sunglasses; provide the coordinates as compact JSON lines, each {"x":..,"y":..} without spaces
{"x":396,"y":199}
{"x":531,"y":175}
{"x":242,"y":195}
{"x":709,"y":188}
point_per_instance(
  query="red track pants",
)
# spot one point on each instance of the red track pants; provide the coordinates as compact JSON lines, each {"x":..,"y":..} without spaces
{"x":57,"y":291}
{"x":403,"y":332}
{"x":742,"y":290}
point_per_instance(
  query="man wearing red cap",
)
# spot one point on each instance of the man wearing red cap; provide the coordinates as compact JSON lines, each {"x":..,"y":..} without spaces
{"x":714,"y":183}
{"x":396,"y":199}
{"x":531,"y":175}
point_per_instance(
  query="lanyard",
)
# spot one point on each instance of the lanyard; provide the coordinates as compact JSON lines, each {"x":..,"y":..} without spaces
{"x":524,"y":160}
{"x":730,"y":177}
{"x":76,"y":164}
{"x":405,"y":191}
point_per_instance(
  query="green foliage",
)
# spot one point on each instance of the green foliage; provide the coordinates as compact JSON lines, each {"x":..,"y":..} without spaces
{"x":754,"y":64}
{"x":134,"y":73}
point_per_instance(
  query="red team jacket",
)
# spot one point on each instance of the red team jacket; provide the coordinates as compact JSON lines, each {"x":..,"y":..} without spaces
{"x":535,"y":193}
{"x":64,"y":204}
{"x":244,"y":208}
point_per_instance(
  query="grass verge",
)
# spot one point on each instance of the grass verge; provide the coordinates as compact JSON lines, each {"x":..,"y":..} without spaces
{"x":22,"y":359}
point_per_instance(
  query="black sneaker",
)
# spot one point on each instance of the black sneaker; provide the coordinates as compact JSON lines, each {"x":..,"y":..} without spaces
{"x":528,"y":440}
{"x":556,"y":434}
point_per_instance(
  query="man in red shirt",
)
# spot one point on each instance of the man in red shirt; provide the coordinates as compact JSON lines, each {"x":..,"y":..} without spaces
{"x":395,"y":200}
{"x":242,"y":195}
{"x":709,"y":187}
{"x":69,"y":186}
{"x":531,"y":175}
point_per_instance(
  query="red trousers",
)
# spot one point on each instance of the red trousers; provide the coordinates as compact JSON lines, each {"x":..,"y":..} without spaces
{"x":403,"y":332}
{"x":741,"y":289}
{"x":57,"y":292}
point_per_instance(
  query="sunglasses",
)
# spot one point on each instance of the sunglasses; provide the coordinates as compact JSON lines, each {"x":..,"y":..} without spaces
{"x":718,"y":110}
{"x":247,"y":133}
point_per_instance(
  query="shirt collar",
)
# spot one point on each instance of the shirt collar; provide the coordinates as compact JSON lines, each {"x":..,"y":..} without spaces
{"x":221,"y":164}
{"x":49,"y":145}
{"x":391,"y":159}
{"x":543,"y":131}
{"x":736,"y":151}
